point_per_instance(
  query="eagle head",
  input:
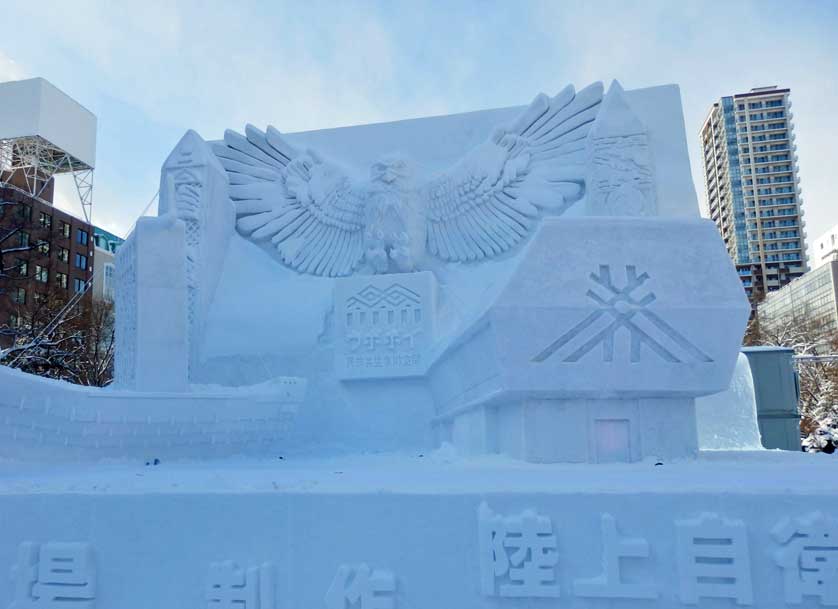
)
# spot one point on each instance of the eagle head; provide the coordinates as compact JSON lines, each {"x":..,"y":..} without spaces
{"x":390,"y":169}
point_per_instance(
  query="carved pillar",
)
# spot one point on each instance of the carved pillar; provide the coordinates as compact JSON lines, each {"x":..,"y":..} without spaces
{"x":193,"y":187}
{"x":621,"y":169}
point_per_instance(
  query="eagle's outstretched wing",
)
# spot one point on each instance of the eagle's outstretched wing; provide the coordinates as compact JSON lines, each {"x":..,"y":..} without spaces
{"x":305,"y":205}
{"x":490,"y":200}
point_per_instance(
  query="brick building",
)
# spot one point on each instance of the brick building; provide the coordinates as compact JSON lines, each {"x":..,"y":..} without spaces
{"x":44,"y":253}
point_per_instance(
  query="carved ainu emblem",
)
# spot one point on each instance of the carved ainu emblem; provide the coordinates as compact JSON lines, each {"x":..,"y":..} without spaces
{"x":626,"y":308}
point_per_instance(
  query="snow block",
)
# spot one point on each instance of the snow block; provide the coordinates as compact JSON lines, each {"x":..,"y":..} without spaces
{"x":728,"y":420}
{"x":604,"y":334}
{"x":390,"y":531}
{"x":49,"y":420}
{"x":151,"y":323}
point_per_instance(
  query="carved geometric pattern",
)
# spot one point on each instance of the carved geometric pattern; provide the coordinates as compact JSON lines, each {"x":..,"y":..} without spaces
{"x":125,"y":306}
{"x":395,"y":296}
{"x":625,"y":309}
{"x":188,"y":188}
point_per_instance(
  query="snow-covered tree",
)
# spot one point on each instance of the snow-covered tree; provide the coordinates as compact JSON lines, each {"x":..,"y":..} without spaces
{"x":50,"y":338}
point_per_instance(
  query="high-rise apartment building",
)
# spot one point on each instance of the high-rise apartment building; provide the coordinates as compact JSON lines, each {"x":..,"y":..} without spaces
{"x":752,"y":187}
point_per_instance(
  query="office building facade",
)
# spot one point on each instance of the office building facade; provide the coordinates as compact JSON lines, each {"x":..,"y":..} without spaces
{"x":810,"y":300}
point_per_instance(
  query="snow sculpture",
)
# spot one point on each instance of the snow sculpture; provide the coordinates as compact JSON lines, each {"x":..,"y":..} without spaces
{"x":520,"y":551}
{"x":323,"y":222}
{"x":362,"y":587}
{"x":229,"y":587}
{"x":609,"y":584}
{"x":809,"y":558}
{"x":582,"y":335}
{"x":385,"y":324}
{"x":713,"y":559}
{"x":621,"y":171}
{"x":54,"y":574}
{"x":193,"y":187}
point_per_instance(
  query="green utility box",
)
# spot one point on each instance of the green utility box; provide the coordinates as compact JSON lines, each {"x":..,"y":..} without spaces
{"x":777,"y":393}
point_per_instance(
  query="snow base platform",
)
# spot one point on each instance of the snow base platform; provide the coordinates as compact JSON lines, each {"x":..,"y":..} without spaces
{"x":431,"y":531}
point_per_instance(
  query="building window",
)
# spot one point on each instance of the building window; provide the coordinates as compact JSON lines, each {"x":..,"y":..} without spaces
{"x":78,"y":285}
{"x":107,"y":287}
{"x":24,"y":212}
{"x":46,"y":220}
{"x":61,"y":280}
{"x":22,"y":267}
{"x":43,"y":247}
{"x":23,"y":239}
{"x":19,"y":296}
{"x":81,"y":237}
{"x":41,"y":273}
{"x":63,"y":254}
{"x":81,"y":261}
{"x":65,"y":229}
{"x":14,"y":320}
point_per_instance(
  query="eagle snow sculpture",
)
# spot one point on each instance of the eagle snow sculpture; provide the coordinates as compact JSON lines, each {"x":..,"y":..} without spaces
{"x":322,"y":222}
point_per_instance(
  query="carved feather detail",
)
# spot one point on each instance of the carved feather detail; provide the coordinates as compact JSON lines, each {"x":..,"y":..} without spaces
{"x":483,"y":206}
{"x":306,"y":207}
{"x":490,"y":200}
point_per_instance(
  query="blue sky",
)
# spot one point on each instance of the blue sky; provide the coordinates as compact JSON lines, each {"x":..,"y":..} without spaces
{"x":150,"y":70}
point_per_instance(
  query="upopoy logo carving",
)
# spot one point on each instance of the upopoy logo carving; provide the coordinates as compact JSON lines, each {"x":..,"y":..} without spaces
{"x":625,"y":307}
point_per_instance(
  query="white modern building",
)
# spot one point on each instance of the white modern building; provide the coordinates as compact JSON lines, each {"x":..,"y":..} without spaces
{"x":825,"y":248}
{"x":752,"y":189}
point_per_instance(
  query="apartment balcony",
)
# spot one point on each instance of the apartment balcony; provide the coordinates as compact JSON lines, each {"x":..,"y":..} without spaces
{"x":786,"y":238}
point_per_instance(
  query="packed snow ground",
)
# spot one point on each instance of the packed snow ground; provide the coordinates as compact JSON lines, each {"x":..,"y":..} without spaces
{"x":440,"y":471}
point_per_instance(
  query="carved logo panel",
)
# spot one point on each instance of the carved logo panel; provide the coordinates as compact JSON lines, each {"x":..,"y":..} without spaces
{"x":384,"y":325}
{"x":622,"y":307}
